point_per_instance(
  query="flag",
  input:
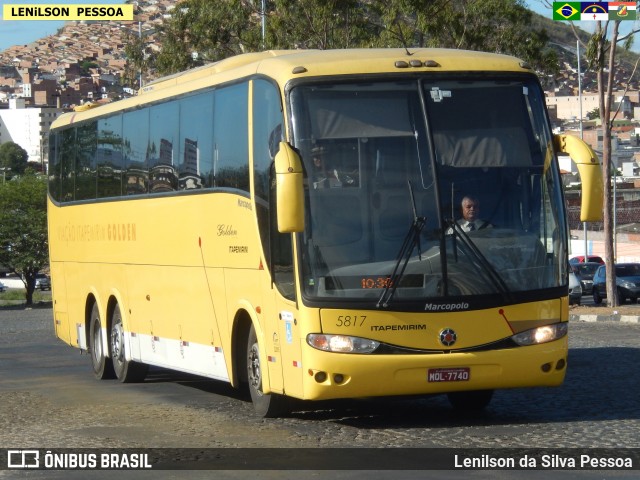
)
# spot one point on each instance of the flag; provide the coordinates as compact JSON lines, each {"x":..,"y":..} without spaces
{"x":566,"y":10}
{"x":622,"y":10}
{"x":595,"y":11}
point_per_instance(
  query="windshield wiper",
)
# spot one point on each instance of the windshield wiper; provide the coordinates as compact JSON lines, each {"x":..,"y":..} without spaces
{"x":484,"y":266}
{"x":411,"y":241}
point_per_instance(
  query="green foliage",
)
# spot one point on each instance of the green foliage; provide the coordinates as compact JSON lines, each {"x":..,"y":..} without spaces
{"x":483,"y":25}
{"x":595,"y":53}
{"x":593,"y":114}
{"x":23,"y":228}
{"x":14,"y":157}
{"x":8,"y":297}
{"x":202,"y":31}
{"x":319,"y":24}
{"x":86,"y":65}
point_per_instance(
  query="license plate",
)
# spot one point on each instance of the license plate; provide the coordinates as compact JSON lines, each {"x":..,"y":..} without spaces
{"x":461,"y":374}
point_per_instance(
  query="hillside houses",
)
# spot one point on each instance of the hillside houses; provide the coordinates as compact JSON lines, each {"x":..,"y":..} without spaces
{"x":83,"y":62}
{"x":64,"y":57}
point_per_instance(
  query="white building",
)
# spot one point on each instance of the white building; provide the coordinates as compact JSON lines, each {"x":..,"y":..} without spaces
{"x":568,"y":107}
{"x":28,"y":127}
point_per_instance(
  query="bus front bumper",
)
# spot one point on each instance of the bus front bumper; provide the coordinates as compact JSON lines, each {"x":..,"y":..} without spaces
{"x":333,"y":375}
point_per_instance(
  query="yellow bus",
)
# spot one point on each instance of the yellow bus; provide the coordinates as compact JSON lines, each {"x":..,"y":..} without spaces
{"x":289,"y":222}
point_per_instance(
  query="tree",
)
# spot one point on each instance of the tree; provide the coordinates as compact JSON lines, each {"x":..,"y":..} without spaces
{"x":598,"y":48}
{"x":501,"y":26}
{"x":321,"y":24}
{"x":593,"y":114}
{"x":201,"y":31}
{"x":24,"y":248}
{"x":14,"y":158}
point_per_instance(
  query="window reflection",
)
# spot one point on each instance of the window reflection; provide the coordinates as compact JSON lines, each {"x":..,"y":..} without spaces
{"x":267,"y":134}
{"x":195,"y":156}
{"x":109,"y":161}
{"x":67,"y":165}
{"x":189,"y":143}
{"x":163,"y":137}
{"x":85,"y":162}
{"x":136,"y":152}
{"x":231,"y":149}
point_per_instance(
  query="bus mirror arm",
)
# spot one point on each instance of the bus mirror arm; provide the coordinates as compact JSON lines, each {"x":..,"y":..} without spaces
{"x":289,"y":189}
{"x":590,"y":175}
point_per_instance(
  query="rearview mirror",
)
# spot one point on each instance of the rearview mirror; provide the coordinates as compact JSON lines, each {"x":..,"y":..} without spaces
{"x":289,"y":190}
{"x":590,"y":175}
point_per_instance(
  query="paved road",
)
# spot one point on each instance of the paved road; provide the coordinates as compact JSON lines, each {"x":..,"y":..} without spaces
{"x":49,"y":399}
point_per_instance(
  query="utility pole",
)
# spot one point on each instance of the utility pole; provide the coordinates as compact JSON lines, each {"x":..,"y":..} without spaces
{"x":586,"y":243}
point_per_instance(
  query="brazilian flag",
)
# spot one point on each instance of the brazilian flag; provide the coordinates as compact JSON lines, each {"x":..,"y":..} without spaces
{"x":566,"y":10}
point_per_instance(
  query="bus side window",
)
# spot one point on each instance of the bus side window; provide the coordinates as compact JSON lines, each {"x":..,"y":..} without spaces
{"x":267,"y":134}
{"x":231,"y":145}
{"x":163,"y":139}
{"x":86,"y":161}
{"x":195,"y":148}
{"x":135,"y":133}
{"x":67,"y":165}
{"x":109,"y":159}
{"x":55,"y":140}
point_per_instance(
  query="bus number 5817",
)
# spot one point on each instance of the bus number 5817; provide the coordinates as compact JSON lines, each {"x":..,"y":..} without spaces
{"x":351,"y":320}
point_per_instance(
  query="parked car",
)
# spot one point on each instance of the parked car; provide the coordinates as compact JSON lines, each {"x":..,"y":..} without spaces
{"x":590,"y":258}
{"x":43,"y":282}
{"x":575,"y":289}
{"x":2,"y":287}
{"x":627,"y":282}
{"x":585,"y":273}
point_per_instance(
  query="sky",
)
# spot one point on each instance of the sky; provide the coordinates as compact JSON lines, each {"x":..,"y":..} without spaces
{"x":543,"y":8}
{"x":21,"y":32}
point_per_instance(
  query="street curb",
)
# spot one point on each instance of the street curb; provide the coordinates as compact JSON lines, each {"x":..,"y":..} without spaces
{"x":616,"y":317}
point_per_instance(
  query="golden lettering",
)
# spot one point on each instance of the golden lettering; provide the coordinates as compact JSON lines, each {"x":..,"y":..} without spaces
{"x":113,"y":232}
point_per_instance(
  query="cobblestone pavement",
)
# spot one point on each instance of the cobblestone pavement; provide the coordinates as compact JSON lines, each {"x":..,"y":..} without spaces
{"x":48,"y":398}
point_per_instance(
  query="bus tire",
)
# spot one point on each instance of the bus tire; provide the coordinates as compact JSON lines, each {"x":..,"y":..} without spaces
{"x":102,"y":365}
{"x":471,"y":401}
{"x":126,"y":371}
{"x":265,"y":405}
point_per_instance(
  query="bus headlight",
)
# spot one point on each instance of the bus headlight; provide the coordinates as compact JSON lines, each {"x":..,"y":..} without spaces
{"x":341,"y":343}
{"x":545,"y":334}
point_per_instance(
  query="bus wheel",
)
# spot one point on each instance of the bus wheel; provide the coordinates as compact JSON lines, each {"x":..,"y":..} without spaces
{"x":268,"y":406}
{"x":102,"y":366}
{"x":126,"y":371}
{"x":472,"y":401}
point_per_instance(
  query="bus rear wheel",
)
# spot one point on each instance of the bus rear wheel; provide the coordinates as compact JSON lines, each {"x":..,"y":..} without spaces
{"x":266,"y":405}
{"x":472,"y":401}
{"x":102,"y":365}
{"x":127,"y":371}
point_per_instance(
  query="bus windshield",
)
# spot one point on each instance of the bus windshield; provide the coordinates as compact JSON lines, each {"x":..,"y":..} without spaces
{"x":390,"y":165}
